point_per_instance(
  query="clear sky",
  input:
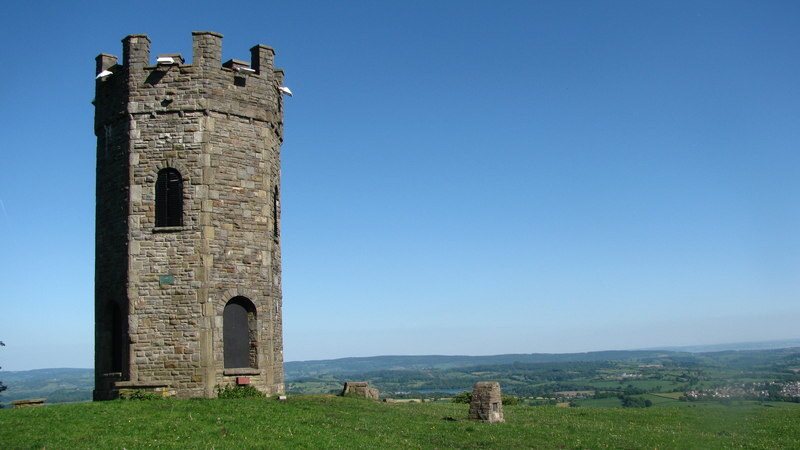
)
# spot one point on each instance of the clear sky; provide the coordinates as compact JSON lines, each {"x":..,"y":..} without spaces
{"x":459,"y":177}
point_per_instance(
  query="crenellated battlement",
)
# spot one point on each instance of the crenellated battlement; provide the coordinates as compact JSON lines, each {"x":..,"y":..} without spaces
{"x":206,"y":53}
{"x":168,"y":84}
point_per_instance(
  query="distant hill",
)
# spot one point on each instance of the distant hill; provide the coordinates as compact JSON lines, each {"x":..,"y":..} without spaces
{"x":763,"y":345}
{"x":357,"y":365}
{"x":613,"y":373}
{"x":56,"y":385}
{"x":350,"y":366}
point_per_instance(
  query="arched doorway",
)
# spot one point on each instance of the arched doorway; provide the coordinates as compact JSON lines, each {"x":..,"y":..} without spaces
{"x":239,"y":333}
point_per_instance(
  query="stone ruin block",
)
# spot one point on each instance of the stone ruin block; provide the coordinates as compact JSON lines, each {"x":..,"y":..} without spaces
{"x":359,"y":389}
{"x":30,"y":403}
{"x":487,"y":403}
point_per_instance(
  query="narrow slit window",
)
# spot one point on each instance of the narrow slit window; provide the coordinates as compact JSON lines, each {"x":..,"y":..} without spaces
{"x":276,"y":205}
{"x":169,"y":198}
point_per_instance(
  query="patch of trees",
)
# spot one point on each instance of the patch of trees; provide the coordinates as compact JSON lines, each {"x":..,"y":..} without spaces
{"x":463,"y":397}
{"x":631,"y":397}
{"x":635,"y":402}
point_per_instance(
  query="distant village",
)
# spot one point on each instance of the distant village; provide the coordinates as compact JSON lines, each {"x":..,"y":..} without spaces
{"x":789,"y":391}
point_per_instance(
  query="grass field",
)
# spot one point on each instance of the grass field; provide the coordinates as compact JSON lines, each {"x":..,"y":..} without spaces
{"x":670,"y":395}
{"x":610,"y":402}
{"x":335,"y":422}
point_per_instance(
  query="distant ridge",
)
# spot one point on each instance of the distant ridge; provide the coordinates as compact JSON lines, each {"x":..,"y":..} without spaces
{"x":762,"y":345}
{"x":347,"y":366}
{"x":57,"y":385}
{"x":359,"y":365}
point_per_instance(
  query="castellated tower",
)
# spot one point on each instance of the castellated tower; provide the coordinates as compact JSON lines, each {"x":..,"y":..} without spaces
{"x":188,"y":261}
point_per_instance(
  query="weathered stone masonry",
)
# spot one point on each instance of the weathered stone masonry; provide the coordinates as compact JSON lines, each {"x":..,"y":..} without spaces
{"x":163,"y":294}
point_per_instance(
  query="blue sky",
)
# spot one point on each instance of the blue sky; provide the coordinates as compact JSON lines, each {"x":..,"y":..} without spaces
{"x":467,"y":177}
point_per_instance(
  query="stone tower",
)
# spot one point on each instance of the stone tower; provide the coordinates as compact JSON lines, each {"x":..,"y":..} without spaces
{"x":188,"y":261}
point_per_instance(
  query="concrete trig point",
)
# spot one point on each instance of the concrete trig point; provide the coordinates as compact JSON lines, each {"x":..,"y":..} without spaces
{"x":487,"y":402}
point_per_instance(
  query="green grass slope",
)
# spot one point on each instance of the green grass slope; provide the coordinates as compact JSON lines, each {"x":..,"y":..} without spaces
{"x":334,"y":422}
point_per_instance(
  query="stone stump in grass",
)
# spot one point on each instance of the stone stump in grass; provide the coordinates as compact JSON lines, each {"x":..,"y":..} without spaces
{"x":487,"y":404}
{"x":359,"y":389}
{"x":30,"y":403}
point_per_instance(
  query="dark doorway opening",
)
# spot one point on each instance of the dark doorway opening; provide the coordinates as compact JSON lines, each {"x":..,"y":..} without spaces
{"x":239,"y":333}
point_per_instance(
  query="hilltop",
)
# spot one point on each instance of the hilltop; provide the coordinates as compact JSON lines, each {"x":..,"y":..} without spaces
{"x":336,"y":422}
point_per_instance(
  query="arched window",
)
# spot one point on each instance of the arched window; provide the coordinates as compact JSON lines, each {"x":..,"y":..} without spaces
{"x":169,"y":198}
{"x":239,"y":333}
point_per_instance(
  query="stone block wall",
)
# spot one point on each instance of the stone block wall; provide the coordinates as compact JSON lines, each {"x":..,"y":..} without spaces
{"x":221,"y":128}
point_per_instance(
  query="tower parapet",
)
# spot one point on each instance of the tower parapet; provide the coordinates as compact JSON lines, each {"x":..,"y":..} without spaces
{"x":188,"y":265}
